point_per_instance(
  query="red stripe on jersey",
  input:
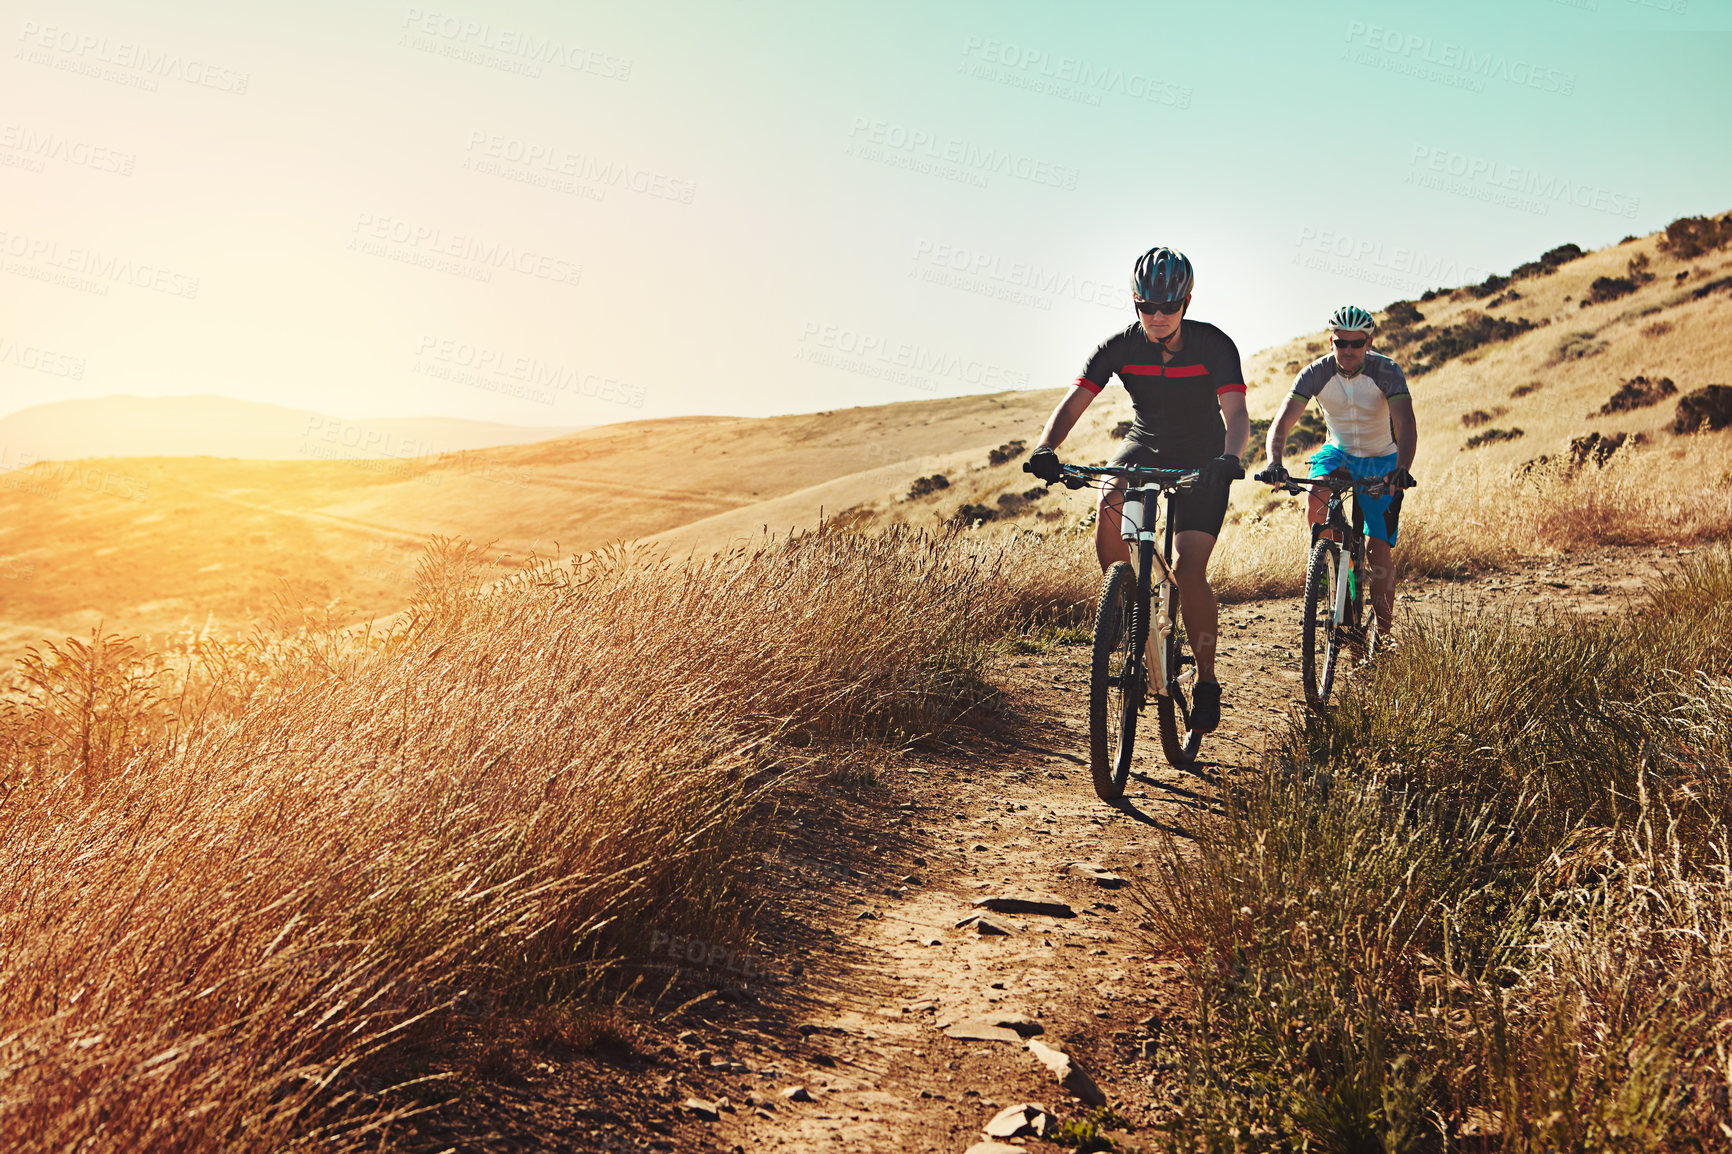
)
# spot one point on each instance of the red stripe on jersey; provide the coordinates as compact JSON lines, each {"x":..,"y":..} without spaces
{"x":1085,"y":383}
{"x":1229,"y":389}
{"x":1166,"y":370}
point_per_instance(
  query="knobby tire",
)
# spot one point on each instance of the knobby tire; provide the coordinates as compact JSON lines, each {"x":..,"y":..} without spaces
{"x":1178,"y":740}
{"x":1114,"y":695}
{"x":1319,"y":647}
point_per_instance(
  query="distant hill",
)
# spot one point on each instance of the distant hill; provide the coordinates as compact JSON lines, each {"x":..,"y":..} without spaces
{"x":207,"y":426}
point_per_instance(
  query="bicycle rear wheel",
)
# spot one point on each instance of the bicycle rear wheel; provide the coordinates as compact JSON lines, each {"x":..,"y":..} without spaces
{"x":1319,"y":647}
{"x":1178,"y":740}
{"x":1116,"y":680}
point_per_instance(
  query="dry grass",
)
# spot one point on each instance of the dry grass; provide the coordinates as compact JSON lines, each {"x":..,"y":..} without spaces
{"x":1485,"y":903}
{"x":237,"y":879}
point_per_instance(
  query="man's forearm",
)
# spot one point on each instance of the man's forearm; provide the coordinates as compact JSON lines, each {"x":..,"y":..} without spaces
{"x":1064,"y":418}
{"x":1238,"y":432}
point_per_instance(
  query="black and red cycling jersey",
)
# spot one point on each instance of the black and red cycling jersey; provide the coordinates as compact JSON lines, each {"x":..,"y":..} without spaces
{"x":1177,"y":402}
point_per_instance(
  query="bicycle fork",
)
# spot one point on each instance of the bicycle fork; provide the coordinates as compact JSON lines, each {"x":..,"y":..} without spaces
{"x":1145,"y":564}
{"x":1343,"y":585}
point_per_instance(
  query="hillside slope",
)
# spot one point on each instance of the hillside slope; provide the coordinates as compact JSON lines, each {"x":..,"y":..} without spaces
{"x":165,"y":544}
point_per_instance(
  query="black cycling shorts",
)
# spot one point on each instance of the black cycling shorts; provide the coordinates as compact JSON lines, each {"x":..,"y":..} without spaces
{"x":1201,"y":508}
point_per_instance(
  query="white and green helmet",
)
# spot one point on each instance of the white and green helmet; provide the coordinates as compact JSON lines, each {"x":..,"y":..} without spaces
{"x":1351,"y":318}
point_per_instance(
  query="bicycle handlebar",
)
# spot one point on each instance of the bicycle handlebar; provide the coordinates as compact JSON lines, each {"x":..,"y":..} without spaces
{"x":1077,"y":476}
{"x":1372,"y":487}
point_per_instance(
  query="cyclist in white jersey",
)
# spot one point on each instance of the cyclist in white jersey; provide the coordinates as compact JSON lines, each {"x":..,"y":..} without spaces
{"x":1372,"y":433}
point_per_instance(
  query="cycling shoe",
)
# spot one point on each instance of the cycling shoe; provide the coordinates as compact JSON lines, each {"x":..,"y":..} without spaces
{"x":1205,"y":707}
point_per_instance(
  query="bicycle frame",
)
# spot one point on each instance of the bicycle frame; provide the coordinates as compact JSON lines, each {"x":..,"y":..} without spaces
{"x":1352,"y":539}
{"x":1156,"y":584}
{"x":1148,"y":564}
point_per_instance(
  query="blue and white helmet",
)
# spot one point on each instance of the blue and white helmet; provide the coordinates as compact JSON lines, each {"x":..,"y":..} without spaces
{"x":1351,"y":318}
{"x":1162,"y":275}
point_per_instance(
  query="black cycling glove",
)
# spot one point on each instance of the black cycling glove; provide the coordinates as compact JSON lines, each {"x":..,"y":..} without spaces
{"x":1273,"y":475}
{"x":1222,"y":470}
{"x":1399,"y":478}
{"x":1044,"y":464}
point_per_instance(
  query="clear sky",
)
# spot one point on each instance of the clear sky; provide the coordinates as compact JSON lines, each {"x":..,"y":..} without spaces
{"x":581,"y":212}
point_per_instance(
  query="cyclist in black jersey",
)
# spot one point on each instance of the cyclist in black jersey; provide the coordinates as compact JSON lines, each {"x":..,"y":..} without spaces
{"x":1188,"y":391}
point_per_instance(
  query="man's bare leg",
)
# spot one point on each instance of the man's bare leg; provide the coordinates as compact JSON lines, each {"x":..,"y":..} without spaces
{"x":1382,"y":559}
{"x":1109,"y":546}
{"x":1197,"y":605}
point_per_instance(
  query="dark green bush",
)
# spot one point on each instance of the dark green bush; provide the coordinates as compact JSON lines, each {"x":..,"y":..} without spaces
{"x":1693,"y":236}
{"x":1474,"y":331}
{"x":1492,"y":437}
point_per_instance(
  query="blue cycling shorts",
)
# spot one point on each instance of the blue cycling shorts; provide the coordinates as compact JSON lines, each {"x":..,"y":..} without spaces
{"x":1380,"y":517}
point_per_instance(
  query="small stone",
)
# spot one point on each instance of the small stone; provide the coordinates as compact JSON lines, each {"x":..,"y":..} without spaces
{"x":998,"y":985}
{"x":719,"y":1063}
{"x":995,"y":1028}
{"x":912,"y":880}
{"x":1070,"y":1075}
{"x":705,"y":1110}
{"x":1089,"y":871}
{"x":796,"y":1094}
{"x":993,"y":1148}
{"x":981,"y":1031}
{"x":919,"y":861}
{"x":690,"y":1037}
{"x":1045,"y":907}
{"x":866,"y":916}
{"x":704,"y":1056}
{"x":988,"y":929}
{"x":1150,"y":1047}
{"x":1030,"y":1119}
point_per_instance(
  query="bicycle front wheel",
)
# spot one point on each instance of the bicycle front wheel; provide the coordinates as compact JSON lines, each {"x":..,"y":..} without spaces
{"x":1116,"y":680}
{"x":1178,"y":740}
{"x":1320,"y":641}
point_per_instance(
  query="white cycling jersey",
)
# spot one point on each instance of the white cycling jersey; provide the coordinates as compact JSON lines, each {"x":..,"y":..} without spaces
{"x":1355,"y":408}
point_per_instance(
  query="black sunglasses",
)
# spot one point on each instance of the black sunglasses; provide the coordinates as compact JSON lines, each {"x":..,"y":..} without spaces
{"x":1167,"y":308}
{"x":1358,"y":344}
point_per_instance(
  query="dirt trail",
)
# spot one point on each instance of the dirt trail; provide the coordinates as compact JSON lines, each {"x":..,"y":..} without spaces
{"x":866,"y":963}
{"x":1005,"y":818}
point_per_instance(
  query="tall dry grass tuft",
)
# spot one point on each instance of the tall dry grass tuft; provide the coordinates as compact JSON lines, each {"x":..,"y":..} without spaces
{"x":235,"y":880}
{"x":1485,"y":902}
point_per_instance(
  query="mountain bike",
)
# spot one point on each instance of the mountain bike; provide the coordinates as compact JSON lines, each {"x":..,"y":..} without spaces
{"x":1337,"y":584}
{"x":1137,"y":598}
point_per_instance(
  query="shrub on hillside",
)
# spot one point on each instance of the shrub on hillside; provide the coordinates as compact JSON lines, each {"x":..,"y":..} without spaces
{"x":1638,"y":393}
{"x":924,"y":486}
{"x":1693,"y":236}
{"x":1480,"y":417}
{"x":1608,"y":288}
{"x":1711,"y":406}
{"x":1403,"y":313}
{"x":1492,"y":437}
{"x":972,"y":514}
{"x":1525,"y":390}
{"x":1006,"y":453}
{"x":1576,"y":347}
{"x":1549,"y":262}
{"x":1122,"y":430}
{"x":1474,"y":331}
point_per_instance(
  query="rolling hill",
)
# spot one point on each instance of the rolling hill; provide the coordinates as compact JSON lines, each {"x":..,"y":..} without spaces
{"x":160,"y":545}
